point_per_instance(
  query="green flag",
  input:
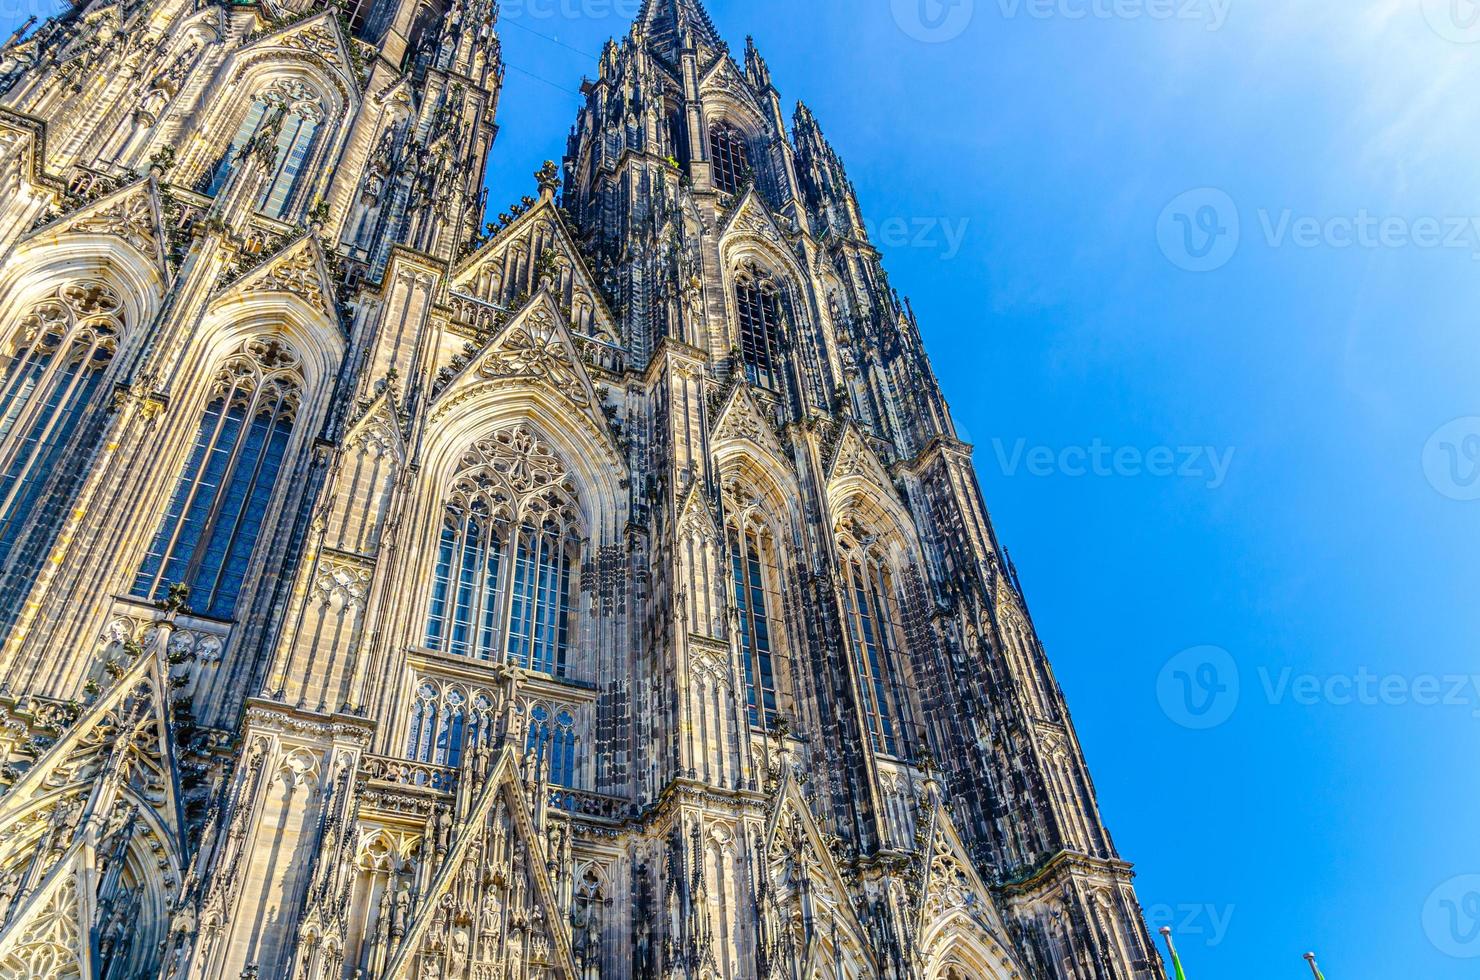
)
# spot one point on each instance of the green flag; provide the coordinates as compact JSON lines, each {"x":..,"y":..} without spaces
{"x":1177,"y":972}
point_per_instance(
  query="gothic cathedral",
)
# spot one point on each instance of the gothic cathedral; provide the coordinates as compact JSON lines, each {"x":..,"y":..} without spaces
{"x":601,"y":592}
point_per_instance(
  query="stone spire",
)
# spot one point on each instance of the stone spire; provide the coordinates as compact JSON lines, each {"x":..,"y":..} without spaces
{"x":828,"y":191}
{"x":667,"y":19}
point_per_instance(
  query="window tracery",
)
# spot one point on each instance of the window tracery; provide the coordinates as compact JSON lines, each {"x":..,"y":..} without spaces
{"x":758,"y":309}
{"x":448,"y":721}
{"x":288,"y":114}
{"x":754,"y":573}
{"x":216,"y":513}
{"x":729,"y":158}
{"x":508,"y":557}
{"x":550,"y":744}
{"x":871,"y":605}
{"x":54,"y":368}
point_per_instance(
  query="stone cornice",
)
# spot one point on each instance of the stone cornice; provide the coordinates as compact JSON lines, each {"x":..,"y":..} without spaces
{"x":279,"y":717}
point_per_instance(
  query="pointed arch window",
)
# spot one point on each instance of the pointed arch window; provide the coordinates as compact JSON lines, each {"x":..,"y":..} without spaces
{"x":216,"y":513}
{"x":728,"y":157}
{"x":539,"y":620}
{"x":467,"y":597}
{"x":288,"y":115}
{"x":873,"y":633}
{"x":752,"y":574}
{"x":442,"y":725}
{"x":758,"y":306}
{"x":507,"y":559}
{"x":53,"y":370}
{"x":587,"y":912}
{"x":551,"y":742}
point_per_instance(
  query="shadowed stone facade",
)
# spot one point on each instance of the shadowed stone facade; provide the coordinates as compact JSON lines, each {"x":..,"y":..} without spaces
{"x":600,"y":593}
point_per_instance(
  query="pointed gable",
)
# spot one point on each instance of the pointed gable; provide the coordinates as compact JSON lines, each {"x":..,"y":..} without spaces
{"x":130,"y":213}
{"x":950,"y":885}
{"x":800,"y":867}
{"x":723,"y":76}
{"x":533,"y":347}
{"x":49,"y":935}
{"x":854,"y":458}
{"x":318,"y":36}
{"x":380,"y":421}
{"x":298,"y":270}
{"x":751,"y":216}
{"x":132,"y":722}
{"x":537,"y":244}
{"x":742,"y":418}
{"x":696,"y":516}
{"x":116,"y":758}
{"x":492,"y":885}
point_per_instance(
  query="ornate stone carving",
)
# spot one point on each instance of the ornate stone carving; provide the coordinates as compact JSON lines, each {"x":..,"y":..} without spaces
{"x":342,"y":583}
{"x":317,"y":39}
{"x":130,"y":217}
{"x":297,"y":272}
{"x":534,"y":349}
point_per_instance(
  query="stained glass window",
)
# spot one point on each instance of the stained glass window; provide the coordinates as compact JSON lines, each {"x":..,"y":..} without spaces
{"x":750,"y":568}
{"x":53,"y":371}
{"x":216,"y":513}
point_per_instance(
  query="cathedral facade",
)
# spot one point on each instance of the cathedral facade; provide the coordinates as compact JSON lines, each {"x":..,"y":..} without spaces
{"x":601,"y":591}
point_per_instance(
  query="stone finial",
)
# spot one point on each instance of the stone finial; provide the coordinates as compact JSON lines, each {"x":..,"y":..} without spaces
{"x":549,"y":178}
{"x":161,"y":161}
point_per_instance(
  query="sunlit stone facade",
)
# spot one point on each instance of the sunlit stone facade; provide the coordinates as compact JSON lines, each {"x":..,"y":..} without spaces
{"x":603,"y":593}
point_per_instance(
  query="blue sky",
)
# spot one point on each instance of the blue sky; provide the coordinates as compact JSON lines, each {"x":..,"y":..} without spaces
{"x":1041,"y":161}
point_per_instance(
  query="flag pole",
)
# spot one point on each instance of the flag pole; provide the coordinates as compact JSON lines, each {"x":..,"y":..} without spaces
{"x":1311,"y":959}
{"x":1177,"y":972}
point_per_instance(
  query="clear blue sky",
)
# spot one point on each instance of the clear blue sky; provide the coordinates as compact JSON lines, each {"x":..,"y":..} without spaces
{"x":1067,"y":316}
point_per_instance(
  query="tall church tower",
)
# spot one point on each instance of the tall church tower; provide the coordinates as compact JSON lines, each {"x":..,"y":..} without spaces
{"x":602,"y":592}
